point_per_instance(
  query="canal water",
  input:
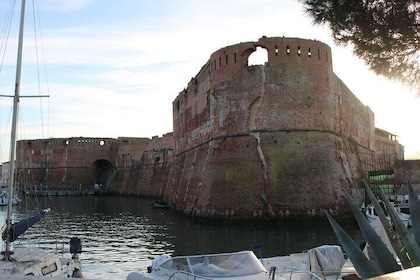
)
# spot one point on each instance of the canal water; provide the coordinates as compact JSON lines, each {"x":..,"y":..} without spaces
{"x":123,"y":234}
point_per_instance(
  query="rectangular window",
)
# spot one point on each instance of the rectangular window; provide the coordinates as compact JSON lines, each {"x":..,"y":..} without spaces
{"x":49,"y":269}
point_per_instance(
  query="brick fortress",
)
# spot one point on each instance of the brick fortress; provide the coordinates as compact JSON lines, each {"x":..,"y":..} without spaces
{"x":264,"y":142}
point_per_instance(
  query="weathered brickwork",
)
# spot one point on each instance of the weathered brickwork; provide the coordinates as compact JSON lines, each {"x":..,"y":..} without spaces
{"x":275,"y":140}
{"x":64,"y":161}
{"x":146,"y":173}
{"x":263,"y":142}
{"x":125,"y":165}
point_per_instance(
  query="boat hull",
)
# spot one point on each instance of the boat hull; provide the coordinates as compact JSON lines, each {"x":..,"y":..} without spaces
{"x":372,"y":216}
{"x":37,"y":262}
{"x":323,"y":262}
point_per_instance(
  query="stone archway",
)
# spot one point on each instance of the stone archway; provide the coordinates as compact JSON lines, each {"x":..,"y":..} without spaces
{"x":103,"y":173}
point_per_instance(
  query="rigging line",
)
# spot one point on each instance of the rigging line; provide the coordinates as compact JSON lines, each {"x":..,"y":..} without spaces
{"x":5,"y":136}
{"x":36,"y":16}
{"x":7,"y":25}
{"x":45,"y":70}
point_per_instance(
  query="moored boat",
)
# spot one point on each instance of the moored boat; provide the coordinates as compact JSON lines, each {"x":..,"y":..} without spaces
{"x":224,"y":266}
{"x":372,"y":216}
{"x":37,"y":262}
{"x":160,"y":204}
{"x":324,"y":262}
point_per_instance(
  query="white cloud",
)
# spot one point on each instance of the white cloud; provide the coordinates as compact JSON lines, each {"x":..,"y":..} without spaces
{"x":64,"y":5}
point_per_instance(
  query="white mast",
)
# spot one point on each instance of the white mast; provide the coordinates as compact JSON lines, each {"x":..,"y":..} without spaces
{"x":8,"y":252}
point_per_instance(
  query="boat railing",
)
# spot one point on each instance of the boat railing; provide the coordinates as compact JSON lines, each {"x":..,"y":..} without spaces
{"x":292,"y":272}
{"x":284,"y":271}
{"x":180,"y":274}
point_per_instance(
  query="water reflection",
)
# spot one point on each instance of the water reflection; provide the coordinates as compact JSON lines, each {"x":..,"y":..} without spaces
{"x":122,"y":234}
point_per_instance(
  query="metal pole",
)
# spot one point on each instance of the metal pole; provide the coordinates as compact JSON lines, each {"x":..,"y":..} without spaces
{"x":7,"y":252}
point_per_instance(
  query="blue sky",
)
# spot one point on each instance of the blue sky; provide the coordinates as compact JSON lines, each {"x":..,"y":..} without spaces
{"x":114,"y":67}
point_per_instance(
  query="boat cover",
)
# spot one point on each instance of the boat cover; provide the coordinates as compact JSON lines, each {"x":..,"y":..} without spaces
{"x":237,"y":264}
{"x":327,"y":258}
{"x":20,"y":227}
{"x":22,"y":258}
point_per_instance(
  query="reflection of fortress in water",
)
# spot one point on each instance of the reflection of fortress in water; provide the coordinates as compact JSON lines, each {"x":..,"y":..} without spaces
{"x":258,"y":142}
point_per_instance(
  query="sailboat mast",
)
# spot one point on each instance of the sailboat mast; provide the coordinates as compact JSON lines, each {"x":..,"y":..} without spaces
{"x":7,"y":252}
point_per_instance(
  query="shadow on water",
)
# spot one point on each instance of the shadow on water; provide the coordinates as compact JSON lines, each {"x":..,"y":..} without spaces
{"x":122,"y":234}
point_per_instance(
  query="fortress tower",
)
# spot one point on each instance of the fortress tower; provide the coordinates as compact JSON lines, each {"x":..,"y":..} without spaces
{"x":268,"y":141}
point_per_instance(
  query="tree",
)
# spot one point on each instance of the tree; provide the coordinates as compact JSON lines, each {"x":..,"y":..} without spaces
{"x":384,"y":33}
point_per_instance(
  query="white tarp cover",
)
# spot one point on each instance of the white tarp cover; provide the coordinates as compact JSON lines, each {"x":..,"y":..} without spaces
{"x":327,"y":258}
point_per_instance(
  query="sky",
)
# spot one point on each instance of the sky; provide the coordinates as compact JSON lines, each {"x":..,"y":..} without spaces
{"x":113,"y":68}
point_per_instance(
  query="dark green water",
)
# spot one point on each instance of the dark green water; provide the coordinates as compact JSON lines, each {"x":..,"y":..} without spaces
{"x":123,"y":234}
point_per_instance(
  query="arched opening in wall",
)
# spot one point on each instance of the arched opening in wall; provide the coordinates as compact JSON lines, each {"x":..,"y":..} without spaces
{"x":258,"y":57}
{"x":103,"y":175}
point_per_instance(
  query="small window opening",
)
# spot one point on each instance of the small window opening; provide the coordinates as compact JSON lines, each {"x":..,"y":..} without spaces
{"x":326,"y":56}
{"x":234,"y":57}
{"x":220,"y":62}
{"x":277,"y":50}
{"x":309,"y":52}
{"x":49,"y":269}
{"x":298,"y":51}
{"x":101,"y":143}
{"x":258,"y":57}
{"x":227,"y":60}
{"x":287,"y":50}
{"x":319,"y":55}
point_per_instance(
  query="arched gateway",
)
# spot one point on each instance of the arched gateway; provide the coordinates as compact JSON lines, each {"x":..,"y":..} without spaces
{"x":103,"y":174}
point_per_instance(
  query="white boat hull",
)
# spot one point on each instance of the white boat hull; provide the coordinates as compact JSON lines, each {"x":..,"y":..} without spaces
{"x":225,"y":266}
{"x":37,"y":262}
{"x":324,"y":262}
{"x":372,"y":216}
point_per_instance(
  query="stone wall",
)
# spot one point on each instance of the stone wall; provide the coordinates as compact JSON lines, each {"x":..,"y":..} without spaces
{"x":62,"y":162}
{"x":126,"y":165}
{"x":143,"y":165}
{"x":410,"y":169}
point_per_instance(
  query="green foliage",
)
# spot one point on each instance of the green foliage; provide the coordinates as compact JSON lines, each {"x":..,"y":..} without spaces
{"x":414,"y":211}
{"x":389,"y":229}
{"x":379,"y":249}
{"x":381,"y":260}
{"x":385,"y":34}
{"x":402,"y":233}
{"x":359,"y":260}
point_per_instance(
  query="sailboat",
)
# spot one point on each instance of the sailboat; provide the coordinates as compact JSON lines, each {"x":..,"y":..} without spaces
{"x":30,"y":261}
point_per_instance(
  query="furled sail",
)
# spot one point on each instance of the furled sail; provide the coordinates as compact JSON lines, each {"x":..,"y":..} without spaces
{"x":19,"y":228}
